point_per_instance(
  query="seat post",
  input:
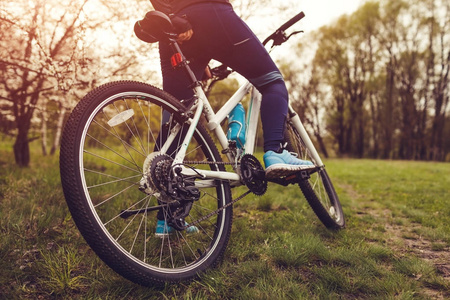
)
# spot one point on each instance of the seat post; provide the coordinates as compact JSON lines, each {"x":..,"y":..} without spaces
{"x":179,"y":61}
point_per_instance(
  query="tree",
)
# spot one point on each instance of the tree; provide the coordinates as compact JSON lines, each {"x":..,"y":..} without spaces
{"x":417,"y":69}
{"x":344,"y":56}
{"x":35,"y":58}
{"x":306,"y":99}
{"x":437,"y":56}
{"x":51,"y":53}
{"x":383,"y":73}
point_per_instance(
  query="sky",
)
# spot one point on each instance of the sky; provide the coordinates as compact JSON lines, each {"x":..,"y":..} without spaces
{"x":318,"y":13}
{"x":322,"y":12}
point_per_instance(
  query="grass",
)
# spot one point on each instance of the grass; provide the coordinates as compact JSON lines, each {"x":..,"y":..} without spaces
{"x":395,"y":245}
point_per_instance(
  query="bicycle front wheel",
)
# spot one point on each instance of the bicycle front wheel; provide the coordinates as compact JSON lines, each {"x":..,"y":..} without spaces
{"x":318,"y":189}
{"x":108,"y":145}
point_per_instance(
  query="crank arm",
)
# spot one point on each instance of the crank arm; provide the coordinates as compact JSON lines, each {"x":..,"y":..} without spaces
{"x":231,"y":176}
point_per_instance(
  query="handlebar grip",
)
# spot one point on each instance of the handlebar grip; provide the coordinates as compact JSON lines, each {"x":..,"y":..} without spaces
{"x":292,"y":21}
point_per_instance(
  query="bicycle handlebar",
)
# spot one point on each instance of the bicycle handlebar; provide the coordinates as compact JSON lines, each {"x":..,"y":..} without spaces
{"x":278,"y":36}
{"x":291,"y":22}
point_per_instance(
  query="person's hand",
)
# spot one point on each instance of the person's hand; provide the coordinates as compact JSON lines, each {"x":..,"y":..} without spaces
{"x":185,"y":36}
{"x":206,"y":75}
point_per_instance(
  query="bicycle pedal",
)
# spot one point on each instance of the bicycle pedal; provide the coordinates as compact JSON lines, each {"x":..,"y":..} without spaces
{"x":285,"y":171}
{"x":286,"y":177}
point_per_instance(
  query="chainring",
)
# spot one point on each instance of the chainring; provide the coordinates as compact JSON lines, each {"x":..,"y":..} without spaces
{"x":253,"y":174}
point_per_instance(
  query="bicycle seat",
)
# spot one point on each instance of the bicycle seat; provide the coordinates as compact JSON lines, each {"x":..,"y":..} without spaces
{"x":155,"y":26}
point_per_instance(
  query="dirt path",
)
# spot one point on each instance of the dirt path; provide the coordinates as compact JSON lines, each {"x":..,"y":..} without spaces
{"x":403,"y":239}
{"x":420,"y":247}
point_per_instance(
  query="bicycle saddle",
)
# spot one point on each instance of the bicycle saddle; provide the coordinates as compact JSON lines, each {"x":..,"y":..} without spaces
{"x":155,"y":26}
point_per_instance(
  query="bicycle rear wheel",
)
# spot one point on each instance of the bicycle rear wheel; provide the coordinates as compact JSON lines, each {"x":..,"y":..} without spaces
{"x":108,"y":145}
{"x":318,"y":188}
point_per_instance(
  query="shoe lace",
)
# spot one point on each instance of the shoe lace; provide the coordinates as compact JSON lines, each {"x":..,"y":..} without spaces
{"x":284,"y":146}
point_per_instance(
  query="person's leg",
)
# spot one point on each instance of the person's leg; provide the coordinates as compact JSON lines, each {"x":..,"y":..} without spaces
{"x":225,"y":37}
{"x":220,"y":34}
{"x":244,"y":53}
{"x":273,"y":113}
{"x":176,"y":83}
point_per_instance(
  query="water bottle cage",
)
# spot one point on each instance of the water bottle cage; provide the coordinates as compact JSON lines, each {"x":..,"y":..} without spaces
{"x":241,"y":126}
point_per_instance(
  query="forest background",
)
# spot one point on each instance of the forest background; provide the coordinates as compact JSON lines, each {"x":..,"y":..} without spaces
{"x":371,"y":84}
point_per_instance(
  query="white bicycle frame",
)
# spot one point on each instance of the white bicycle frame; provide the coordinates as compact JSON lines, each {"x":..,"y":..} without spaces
{"x":214,"y":120}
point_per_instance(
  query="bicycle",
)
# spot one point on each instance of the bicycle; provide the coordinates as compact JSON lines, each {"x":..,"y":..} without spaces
{"x":130,"y":150}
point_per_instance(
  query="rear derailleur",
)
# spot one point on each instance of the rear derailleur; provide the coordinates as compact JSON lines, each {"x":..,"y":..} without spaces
{"x":179,"y":191}
{"x":175,"y":192}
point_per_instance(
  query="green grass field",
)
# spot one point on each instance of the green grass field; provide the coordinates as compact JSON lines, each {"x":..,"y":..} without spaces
{"x":395,"y":245}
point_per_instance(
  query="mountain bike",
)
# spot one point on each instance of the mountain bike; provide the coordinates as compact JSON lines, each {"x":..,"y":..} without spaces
{"x":130,"y":151}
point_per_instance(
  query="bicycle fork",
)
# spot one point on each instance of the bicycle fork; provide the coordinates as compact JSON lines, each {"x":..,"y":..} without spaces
{"x":295,"y":119}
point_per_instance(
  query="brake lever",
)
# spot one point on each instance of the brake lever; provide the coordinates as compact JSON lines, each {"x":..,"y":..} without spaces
{"x":280,"y":37}
{"x":294,"y":33}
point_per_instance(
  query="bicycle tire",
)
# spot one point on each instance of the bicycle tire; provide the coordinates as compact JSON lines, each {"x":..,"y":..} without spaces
{"x":96,"y":161}
{"x":318,"y":189}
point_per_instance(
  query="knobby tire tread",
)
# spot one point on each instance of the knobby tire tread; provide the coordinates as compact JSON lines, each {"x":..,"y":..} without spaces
{"x":318,"y":208}
{"x":309,"y":192}
{"x":81,"y":212}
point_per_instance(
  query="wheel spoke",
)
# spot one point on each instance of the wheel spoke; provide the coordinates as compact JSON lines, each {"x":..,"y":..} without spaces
{"x":125,"y":143}
{"x":111,"y":136}
{"x":318,"y":189}
{"x":127,"y":179}
{"x":113,"y":162}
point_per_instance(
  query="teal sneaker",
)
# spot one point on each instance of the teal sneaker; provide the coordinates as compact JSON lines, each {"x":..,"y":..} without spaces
{"x":163,"y":229}
{"x":283,"y":164}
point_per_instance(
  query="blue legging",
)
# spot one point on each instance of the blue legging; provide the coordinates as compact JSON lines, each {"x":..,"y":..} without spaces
{"x":221,"y":35}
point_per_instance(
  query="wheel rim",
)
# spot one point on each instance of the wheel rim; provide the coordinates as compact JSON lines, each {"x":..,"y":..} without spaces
{"x":111,"y":159}
{"x":318,"y":181}
{"x":320,"y":184}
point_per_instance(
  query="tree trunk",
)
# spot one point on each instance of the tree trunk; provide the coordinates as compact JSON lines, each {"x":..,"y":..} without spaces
{"x":322,"y":145}
{"x":59,"y":128}
{"x":388,"y":124}
{"x":341,"y":126}
{"x":44,"y":129}
{"x":361,"y":133}
{"x":374,"y":109}
{"x":22,"y":148}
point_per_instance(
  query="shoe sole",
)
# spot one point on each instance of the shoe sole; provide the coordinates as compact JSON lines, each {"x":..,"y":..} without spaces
{"x":281,"y":170}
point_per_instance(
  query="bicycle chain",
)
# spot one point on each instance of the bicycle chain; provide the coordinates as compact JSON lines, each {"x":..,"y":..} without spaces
{"x":216,"y":212}
{"x":193,"y":162}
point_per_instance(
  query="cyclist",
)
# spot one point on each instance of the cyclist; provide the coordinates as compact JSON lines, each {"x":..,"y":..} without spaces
{"x":212,"y":30}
